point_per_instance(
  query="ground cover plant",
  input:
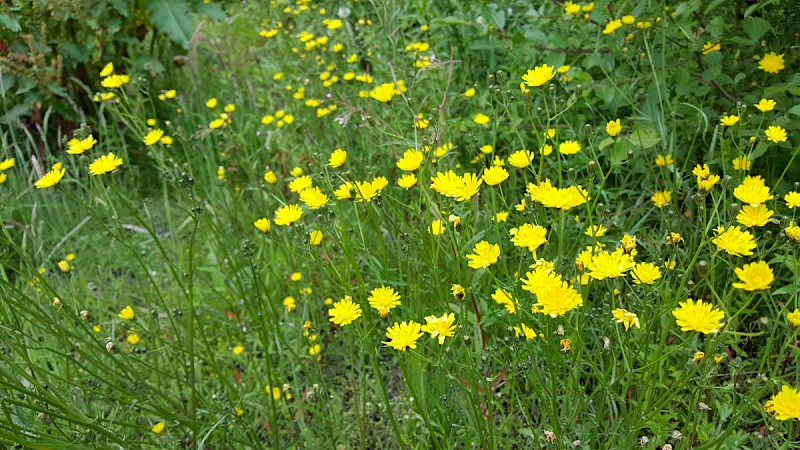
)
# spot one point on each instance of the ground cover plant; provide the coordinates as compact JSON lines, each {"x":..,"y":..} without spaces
{"x":415,"y":225}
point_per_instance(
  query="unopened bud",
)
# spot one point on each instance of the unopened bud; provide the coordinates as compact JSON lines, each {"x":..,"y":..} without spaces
{"x":579,"y":90}
{"x":501,"y":77}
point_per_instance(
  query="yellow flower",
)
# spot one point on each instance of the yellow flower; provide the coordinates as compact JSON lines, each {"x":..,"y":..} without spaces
{"x":792,"y":232}
{"x":503,"y":297}
{"x":301,"y":183}
{"x":753,"y":191}
{"x":613,"y":128}
{"x":383,"y":93}
{"x":7,"y":164}
{"x":520,"y":159}
{"x":775,"y":133}
{"x":290,"y":303}
{"x":765,"y":105}
{"x":51,"y":178}
{"x":407,"y":181}
{"x":217,"y":123}
{"x":108,"y":69}
{"x":104,"y":164}
{"x":554,"y":296}
{"x":755,"y":276}
{"x":288,"y":214}
{"x":612,"y":26}
{"x":552,"y":197}
{"x":571,"y":8}
{"x":115,"y":81}
{"x":78,"y":146}
{"x":526,"y":331}
{"x":645,"y":273}
{"x":469,"y":92}
{"x":661,"y":198}
{"x":313,"y":198}
{"x":610,"y":265}
{"x":794,"y":317}
{"x":440,"y":327}
{"x":153,"y":137}
{"x":262,"y":224}
{"x":754,"y":216}
{"x":734,"y":241}
{"x":771,"y":62}
{"x":742,"y":163}
{"x":127,"y":313}
{"x":569,"y":148}
{"x":481,"y":119}
{"x":729,"y":121}
{"x":698,"y":316}
{"x":133,"y":338}
{"x":785,"y":405}
{"x":502,"y":216}
{"x":238,"y":350}
{"x":709,"y":47}
{"x":792,"y":199}
{"x":315,"y":237}
{"x":383,"y":299}
{"x":628,"y":19}
{"x":270,"y":177}
{"x":337,"y":158}
{"x":664,"y":160}
{"x":457,"y":290}
{"x":344,"y":311}
{"x":158,"y":427}
{"x":411,"y":160}
{"x":529,"y":236}
{"x":626,"y":318}
{"x":211,"y":103}
{"x":486,"y":149}
{"x":403,"y":335}
{"x":539,"y":75}
{"x":494,"y":175}
{"x":296,"y":172}
{"x":483,"y":255}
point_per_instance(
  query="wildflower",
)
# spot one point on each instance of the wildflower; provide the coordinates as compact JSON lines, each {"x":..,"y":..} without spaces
{"x":628,"y":19}
{"x":481,"y":119}
{"x":270,"y":177}
{"x":539,"y":75}
{"x":296,"y":276}
{"x":486,"y":149}
{"x":127,"y":313}
{"x":503,"y":297}
{"x":313,"y":198}
{"x":502,"y":216}
{"x":337,"y":158}
{"x":554,"y":296}
{"x":520,"y":159}
{"x":755,"y":276}
{"x":211,"y":103}
{"x":765,"y":105}
{"x":698,"y":316}
{"x":612,"y":26}
{"x":153,"y":136}
{"x":596,"y":231}
{"x":751,"y":216}
{"x":734,"y":241}
{"x":525,"y":330}
{"x":407,"y":181}
{"x":296,"y":172}
{"x":628,"y":243}
{"x":299,"y":184}
{"x":290,"y":303}
{"x":262,"y":224}
{"x":565,"y":344}
{"x":315,"y":237}
{"x":440,"y":327}
{"x":411,"y":160}
{"x":105,"y":164}
{"x":664,"y":160}
{"x":792,"y":232}
{"x":469,"y":92}
{"x":529,"y":236}
{"x":771,"y":62}
{"x":494,"y":175}
{"x":403,"y":335}
{"x":7,"y":164}
{"x":729,"y":121}
{"x":794,"y":317}
{"x":344,"y":311}
{"x":64,"y":266}
{"x":645,"y":273}
{"x":661,"y":198}
{"x":784,"y":405}
{"x":705,"y":179}
{"x":383,"y":299}
{"x":483,"y":255}
{"x":51,"y":178}
{"x":775,"y":133}
{"x":158,"y":427}
{"x":115,"y":81}
{"x":287,"y":215}
{"x":571,"y":8}
{"x":610,"y":265}
{"x":552,"y":197}
{"x":698,"y":356}
{"x":569,"y":148}
{"x":107,"y":70}
{"x":78,"y":146}
{"x":710,"y":47}
{"x":613,"y":128}
{"x":238,"y":350}
{"x":383,"y":93}
{"x":626,"y":318}
{"x":742,"y":163}
{"x":216,"y":123}
{"x":753,"y":191}
{"x":457,"y":290}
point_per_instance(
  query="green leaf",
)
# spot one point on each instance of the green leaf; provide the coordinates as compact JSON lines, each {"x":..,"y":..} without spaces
{"x":756,"y":27}
{"x":9,"y":23}
{"x":211,"y":11}
{"x":645,"y":137}
{"x":794,"y":110}
{"x":785,"y":290}
{"x":120,"y":6}
{"x":172,"y":18}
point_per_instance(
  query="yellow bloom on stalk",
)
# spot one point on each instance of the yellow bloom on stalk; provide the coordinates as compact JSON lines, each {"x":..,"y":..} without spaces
{"x":794,"y":317}
{"x":610,"y":265}
{"x":755,"y":276}
{"x":571,"y":8}
{"x":792,"y":232}
{"x":765,"y":105}
{"x":596,"y":231}
{"x":734,"y":241}
{"x":411,"y":160}
{"x":211,"y":103}
{"x":503,"y":297}
{"x":661,"y":198}
{"x":337,"y":158}
{"x":664,"y":160}
{"x":153,"y":136}
{"x":383,"y":299}
{"x":742,"y":163}
{"x":158,"y":428}
{"x":775,"y":133}
{"x":554,"y":296}
{"x":552,"y":197}
{"x":7,"y":164}
{"x":407,"y":181}
{"x":502,"y":216}
{"x":792,"y":199}
{"x":127,"y":313}
{"x":403,"y":335}
{"x":451,"y":185}
{"x":270,"y":177}
{"x":301,"y":183}
{"x":104,"y":164}
{"x":754,"y":216}
{"x":115,"y":81}
{"x":626,"y":318}
{"x":481,"y":119}
{"x":78,"y":146}
{"x":494,"y":175}
{"x":613,"y":128}
{"x":344,"y":312}
{"x":313,"y":198}
{"x":51,"y":178}
{"x":108,"y":69}
{"x":529,"y":236}
{"x":753,"y":191}
{"x":520,"y":159}
{"x":526,"y":331}
{"x":771,"y":62}
{"x":440,"y":327}
{"x":262,"y":224}
{"x":612,"y":26}
{"x":469,"y":92}
{"x":315,"y":237}
{"x":698,"y":316}
{"x":645,"y":273}
{"x":784,"y":405}
{"x":569,"y":147}
{"x":710,"y":47}
{"x":383,"y":93}
{"x":288,"y":214}
{"x":483,"y":255}
{"x":705,"y":179}
{"x":290,"y":303}
{"x":729,"y":121}
{"x":539,"y":75}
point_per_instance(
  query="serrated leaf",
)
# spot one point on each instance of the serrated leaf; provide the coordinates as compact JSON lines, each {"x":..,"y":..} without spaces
{"x":645,"y":137}
{"x":172,"y":18}
{"x":9,"y":23}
